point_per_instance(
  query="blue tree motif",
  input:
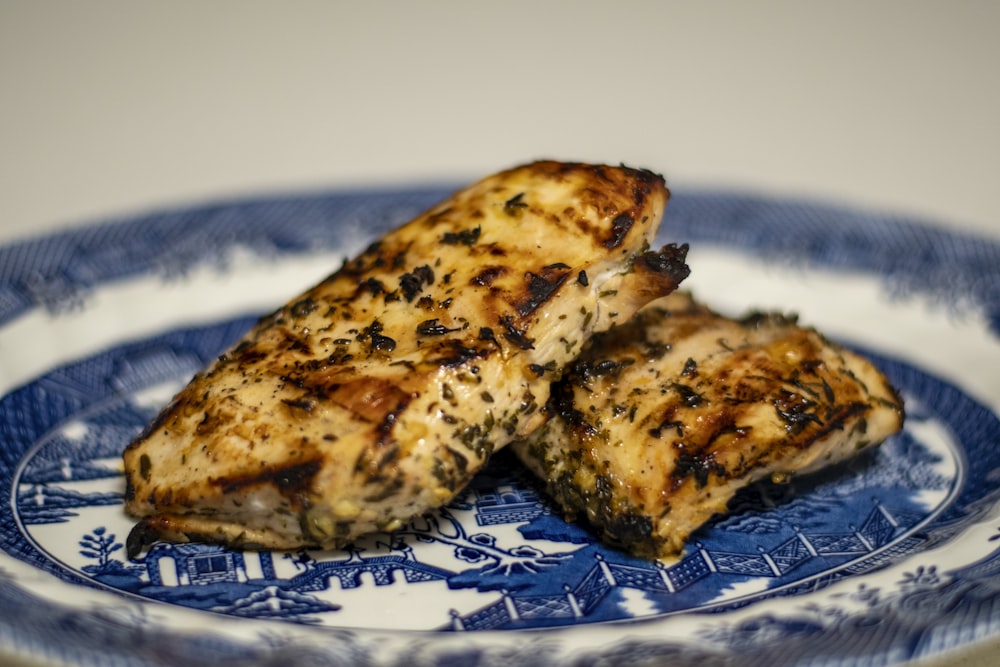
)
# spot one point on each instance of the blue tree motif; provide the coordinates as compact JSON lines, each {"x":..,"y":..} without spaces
{"x":99,"y":546}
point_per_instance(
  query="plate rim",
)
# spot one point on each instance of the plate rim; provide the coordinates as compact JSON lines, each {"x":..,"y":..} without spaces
{"x":82,"y":239}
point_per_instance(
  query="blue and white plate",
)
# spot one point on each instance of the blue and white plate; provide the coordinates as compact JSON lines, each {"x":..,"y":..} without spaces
{"x":891,"y":558}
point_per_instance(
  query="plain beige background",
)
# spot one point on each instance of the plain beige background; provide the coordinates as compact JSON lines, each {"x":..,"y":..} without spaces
{"x":110,"y":108}
{"x":113,"y":108}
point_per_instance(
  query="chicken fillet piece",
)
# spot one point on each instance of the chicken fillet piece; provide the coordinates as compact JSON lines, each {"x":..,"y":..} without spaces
{"x":376,"y":395}
{"x":660,"y":421}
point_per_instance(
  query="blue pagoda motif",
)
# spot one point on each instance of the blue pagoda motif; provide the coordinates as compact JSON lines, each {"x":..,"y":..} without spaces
{"x":201,"y":564}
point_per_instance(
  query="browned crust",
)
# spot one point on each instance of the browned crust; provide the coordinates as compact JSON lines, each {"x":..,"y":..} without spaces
{"x":704,"y":427}
{"x":296,"y":403}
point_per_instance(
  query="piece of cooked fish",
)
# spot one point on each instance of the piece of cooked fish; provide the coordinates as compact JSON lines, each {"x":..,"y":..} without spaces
{"x":377,"y":394}
{"x":660,"y":421}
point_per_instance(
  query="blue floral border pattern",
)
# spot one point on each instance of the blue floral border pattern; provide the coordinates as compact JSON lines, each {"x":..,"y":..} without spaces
{"x":56,"y":273}
{"x":914,"y":257}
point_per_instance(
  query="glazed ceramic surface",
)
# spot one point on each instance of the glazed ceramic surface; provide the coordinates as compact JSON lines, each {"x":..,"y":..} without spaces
{"x":889,"y":558}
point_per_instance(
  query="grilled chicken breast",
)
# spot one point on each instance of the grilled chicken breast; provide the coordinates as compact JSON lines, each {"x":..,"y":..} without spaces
{"x":660,"y":421}
{"x":377,"y":394}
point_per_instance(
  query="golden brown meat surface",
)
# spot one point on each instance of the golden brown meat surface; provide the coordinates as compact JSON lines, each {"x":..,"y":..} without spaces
{"x":663,"y":419}
{"x":377,"y":394}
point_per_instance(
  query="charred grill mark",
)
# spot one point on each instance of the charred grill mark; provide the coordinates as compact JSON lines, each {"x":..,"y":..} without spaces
{"x":629,"y":527}
{"x":296,"y":380}
{"x":385,"y":427}
{"x":697,"y":464}
{"x":434,"y":217}
{"x":398,"y":261}
{"x":760,"y":319}
{"x":303,"y":307}
{"x":298,"y":344}
{"x":640,"y":191}
{"x":413,"y":282}
{"x":375,"y":463}
{"x":433,"y":327}
{"x":378,"y":255}
{"x":211,"y":420}
{"x":828,"y":392}
{"x":376,"y":340}
{"x":383,"y":343}
{"x":360,"y":263}
{"x":838,"y":419}
{"x":796,"y":411}
{"x":716,"y":426}
{"x":466,"y":237}
{"x":620,"y":227}
{"x":657,"y":432}
{"x":561,"y":404}
{"x":541,"y":287}
{"x":514,"y":335}
{"x":668,"y":421}
{"x":689,"y":397}
{"x":305,"y":404}
{"x":584,"y":371}
{"x":369,"y":398}
{"x":669,"y":260}
{"x":745,"y":391}
{"x":290,"y":480}
{"x":244,"y":355}
{"x":372,"y":285}
{"x":453,"y":353}
{"x":486,"y":277}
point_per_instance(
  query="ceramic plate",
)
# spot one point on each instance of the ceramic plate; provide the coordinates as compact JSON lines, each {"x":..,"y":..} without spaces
{"x":888,"y":559}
